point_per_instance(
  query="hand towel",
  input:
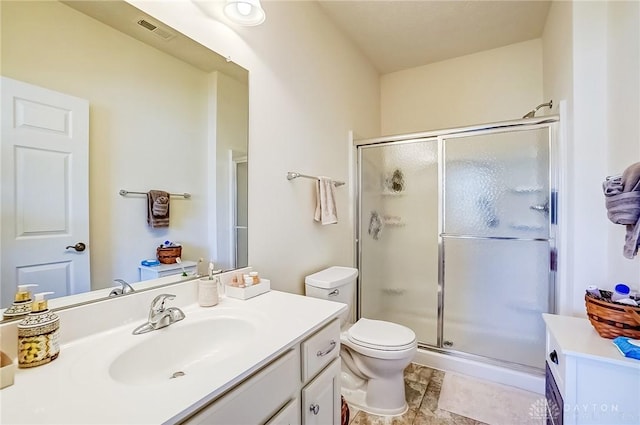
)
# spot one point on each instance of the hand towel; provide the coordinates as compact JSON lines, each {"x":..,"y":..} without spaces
{"x":325,"y":202}
{"x":160,"y":206}
{"x":628,"y":347}
{"x":157,"y":208}
{"x":622,"y":199}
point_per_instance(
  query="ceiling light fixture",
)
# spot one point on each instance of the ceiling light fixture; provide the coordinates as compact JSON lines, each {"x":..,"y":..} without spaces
{"x":245,"y":12}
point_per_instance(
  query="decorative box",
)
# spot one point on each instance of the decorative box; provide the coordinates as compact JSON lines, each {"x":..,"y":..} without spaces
{"x":7,"y":370}
{"x":249,"y":291}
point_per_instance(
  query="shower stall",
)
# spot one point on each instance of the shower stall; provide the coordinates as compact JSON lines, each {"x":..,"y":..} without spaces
{"x":456,"y":238}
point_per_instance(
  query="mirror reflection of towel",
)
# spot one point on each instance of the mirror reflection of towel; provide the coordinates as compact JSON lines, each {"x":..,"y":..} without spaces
{"x":158,"y":208}
{"x":325,"y":202}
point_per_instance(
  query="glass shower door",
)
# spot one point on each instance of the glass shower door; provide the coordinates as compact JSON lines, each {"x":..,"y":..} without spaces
{"x":398,"y":235}
{"x":496,"y":244}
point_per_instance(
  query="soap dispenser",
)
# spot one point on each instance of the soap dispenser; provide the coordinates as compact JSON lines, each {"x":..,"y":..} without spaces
{"x":38,"y":334}
{"x":21,"y":304}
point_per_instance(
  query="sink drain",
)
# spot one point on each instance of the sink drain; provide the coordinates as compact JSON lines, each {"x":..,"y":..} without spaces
{"x":177,"y":374}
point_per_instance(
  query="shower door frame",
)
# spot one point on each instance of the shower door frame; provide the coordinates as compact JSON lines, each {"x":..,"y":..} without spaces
{"x":551,"y":122}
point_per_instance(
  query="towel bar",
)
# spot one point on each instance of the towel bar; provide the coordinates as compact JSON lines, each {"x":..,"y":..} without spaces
{"x":129,"y":192}
{"x":293,"y":175}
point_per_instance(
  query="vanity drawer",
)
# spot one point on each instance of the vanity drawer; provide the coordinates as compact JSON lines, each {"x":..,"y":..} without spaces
{"x":556,"y":361}
{"x":288,"y":415}
{"x":258,"y":398}
{"x":320,"y":349}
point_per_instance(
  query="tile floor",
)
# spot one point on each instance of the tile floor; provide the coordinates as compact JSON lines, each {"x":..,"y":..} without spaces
{"x":422,"y":387}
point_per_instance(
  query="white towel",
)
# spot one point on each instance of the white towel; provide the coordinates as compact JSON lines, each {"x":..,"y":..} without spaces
{"x":325,"y":202}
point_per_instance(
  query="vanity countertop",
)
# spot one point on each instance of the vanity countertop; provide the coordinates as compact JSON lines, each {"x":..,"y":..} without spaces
{"x":577,"y":337}
{"x":77,"y":388}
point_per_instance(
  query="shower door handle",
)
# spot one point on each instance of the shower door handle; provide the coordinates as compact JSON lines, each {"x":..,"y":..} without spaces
{"x":543,"y":208}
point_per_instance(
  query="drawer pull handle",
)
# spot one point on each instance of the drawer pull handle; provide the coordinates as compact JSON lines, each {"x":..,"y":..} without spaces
{"x":321,"y":353}
{"x":554,"y":356}
{"x":314,"y":408}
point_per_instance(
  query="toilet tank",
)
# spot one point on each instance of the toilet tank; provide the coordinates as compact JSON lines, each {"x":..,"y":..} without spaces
{"x":336,"y":283}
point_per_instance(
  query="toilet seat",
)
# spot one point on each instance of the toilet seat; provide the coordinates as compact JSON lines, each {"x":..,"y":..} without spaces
{"x":380,"y":339}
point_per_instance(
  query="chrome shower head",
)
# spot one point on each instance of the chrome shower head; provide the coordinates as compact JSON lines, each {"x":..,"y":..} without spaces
{"x":532,"y":114}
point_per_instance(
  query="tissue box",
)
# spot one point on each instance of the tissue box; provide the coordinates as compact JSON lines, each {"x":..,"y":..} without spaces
{"x":249,"y":291}
{"x":7,"y":370}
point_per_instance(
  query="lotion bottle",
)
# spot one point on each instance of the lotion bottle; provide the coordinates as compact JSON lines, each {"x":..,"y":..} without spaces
{"x":21,"y":304}
{"x":38,"y":335}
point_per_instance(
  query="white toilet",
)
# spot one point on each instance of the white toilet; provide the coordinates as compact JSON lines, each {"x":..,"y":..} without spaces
{"x":374,"y":353}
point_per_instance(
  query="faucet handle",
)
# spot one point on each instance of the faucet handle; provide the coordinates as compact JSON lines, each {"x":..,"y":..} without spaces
{"x":125,"y":288}
{"x":157,"y":304}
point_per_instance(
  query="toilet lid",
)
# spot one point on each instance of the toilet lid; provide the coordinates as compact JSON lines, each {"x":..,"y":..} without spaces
{"x":377,"y":333}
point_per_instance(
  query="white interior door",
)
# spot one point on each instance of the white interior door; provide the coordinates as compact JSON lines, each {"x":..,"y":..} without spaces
{"x":44,"y":196}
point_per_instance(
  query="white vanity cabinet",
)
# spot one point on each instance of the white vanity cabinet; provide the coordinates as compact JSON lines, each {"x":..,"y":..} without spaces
{"x":321,"y":376}
{"x":321,"y":397}
{"x":162,"y":270}
{"x":301,"y":386}
{"x":588,"y":381}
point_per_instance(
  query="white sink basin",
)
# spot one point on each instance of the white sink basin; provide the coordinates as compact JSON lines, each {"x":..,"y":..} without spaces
{"x":174,"y":350}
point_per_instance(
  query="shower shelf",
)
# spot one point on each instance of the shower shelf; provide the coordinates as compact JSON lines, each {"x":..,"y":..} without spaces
{"x":393,"y":291}
{"x":390,"y":193}
{"x":527,"y":227}
{"x":392,"y":220}
{"x":526,"y":189}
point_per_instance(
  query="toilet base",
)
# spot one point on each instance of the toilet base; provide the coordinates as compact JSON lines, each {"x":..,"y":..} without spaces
{"x":357,"y":398}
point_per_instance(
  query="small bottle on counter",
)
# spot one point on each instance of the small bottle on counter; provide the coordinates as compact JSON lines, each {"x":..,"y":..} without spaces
{"x":248,"y":280}
{"x":38,"y":334}
{"x":255,"y":278}
{"x":21,"y":304}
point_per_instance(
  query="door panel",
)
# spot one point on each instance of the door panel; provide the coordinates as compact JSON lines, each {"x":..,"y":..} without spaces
{"x":399,"y":235}
{"x":494,"y":295}
{"x":496,"y":244}
{"x":497,"y":184}
{"x":44,"y":194}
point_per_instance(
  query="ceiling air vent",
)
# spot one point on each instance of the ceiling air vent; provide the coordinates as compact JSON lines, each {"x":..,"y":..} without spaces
{"x":163,"y":33}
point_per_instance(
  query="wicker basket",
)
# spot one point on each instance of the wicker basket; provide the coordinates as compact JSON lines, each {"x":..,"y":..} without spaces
{"x":168,"y":255}
{"x":611,"y":319}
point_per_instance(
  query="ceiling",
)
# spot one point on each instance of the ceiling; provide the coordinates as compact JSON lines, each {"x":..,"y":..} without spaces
{"x":401,"y":34}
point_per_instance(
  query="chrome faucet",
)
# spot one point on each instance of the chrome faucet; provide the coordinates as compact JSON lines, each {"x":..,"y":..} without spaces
{"x":159,"y":317}
{"x":125,"y":288}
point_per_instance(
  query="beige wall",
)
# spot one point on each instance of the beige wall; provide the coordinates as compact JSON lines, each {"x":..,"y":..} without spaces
{"x":623,"y":120}
{"x":148,"y":127}
{"x":591,"y":54}
{"x":308,"y":87}
{"x":494,"y":85}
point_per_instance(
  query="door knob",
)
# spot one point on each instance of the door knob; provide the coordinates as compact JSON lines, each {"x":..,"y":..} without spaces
{"x":315,"y":408}
{"x":79,"y":247}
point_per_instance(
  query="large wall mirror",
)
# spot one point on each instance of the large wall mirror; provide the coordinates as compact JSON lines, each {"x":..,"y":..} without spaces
{"x":160,"y":112}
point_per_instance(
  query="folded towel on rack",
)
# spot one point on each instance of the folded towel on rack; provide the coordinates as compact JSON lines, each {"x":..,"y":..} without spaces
{"x":622,"y":199}
{"x":631,"y":178}
{"x":613,"y":186}
{"x":158,"y":208}
{"x":325,"y":202}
